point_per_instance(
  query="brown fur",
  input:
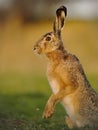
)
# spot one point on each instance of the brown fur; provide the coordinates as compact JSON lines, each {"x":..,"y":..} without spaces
{"x":67,"y":80}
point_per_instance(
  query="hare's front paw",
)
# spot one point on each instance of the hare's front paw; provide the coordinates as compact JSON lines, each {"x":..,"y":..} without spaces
{"x":48,"y":112}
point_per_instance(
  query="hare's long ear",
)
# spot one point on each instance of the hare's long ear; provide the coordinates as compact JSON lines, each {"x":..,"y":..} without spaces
{"x":59,"y":21}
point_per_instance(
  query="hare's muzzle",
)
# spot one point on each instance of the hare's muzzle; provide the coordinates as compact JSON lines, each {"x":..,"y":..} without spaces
{"x":37,"y":49}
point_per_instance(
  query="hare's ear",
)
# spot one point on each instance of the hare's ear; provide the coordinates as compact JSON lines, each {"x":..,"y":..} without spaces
{"x":59,"y":21}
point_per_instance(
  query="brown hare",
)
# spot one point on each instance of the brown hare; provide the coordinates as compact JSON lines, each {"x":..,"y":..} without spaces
{"x":67,"y":79}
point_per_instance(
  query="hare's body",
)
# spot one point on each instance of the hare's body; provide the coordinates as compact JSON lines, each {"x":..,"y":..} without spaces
{"x":67,"y":80}
{"x":81,"y":101}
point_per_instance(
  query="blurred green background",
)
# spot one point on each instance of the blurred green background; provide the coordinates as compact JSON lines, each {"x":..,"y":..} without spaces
{"x":24,"y":88}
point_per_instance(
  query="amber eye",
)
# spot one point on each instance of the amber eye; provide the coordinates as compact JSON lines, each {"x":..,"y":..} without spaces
{"x":48,"y":38}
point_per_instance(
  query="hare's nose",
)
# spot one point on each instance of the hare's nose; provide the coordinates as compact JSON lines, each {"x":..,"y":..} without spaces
{"x":34,"y":48}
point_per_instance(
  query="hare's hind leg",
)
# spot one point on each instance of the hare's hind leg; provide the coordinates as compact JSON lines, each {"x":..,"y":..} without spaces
{"x":69,"y":122}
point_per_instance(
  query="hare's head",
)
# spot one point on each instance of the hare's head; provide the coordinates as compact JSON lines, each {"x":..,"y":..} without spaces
{"x":52,"y":41}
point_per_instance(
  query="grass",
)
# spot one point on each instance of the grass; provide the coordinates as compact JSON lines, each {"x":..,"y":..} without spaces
{"x":22,"y":103}
{"x":22,"y":100}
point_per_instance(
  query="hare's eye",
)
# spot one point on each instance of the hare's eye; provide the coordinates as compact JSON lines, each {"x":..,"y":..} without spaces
{"x":48,"y":38}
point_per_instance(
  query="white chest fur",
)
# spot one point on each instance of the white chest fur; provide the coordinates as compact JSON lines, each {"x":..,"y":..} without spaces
{"x":54,"y":86}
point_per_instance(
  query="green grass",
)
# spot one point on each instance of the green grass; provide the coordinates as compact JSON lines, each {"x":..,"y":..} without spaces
{"x":22,"y":100}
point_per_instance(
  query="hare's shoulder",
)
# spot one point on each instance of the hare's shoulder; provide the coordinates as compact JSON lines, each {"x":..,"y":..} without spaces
{"x":71,"y":59}
{"x":68,"y":66}
{"x":71,"y":64}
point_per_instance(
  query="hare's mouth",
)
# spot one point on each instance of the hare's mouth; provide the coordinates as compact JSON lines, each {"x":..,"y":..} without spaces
{"x":37,"y":50}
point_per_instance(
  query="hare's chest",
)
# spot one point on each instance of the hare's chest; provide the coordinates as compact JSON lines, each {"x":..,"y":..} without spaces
{"x":52,"y":79}
{"x":54,"y":85}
